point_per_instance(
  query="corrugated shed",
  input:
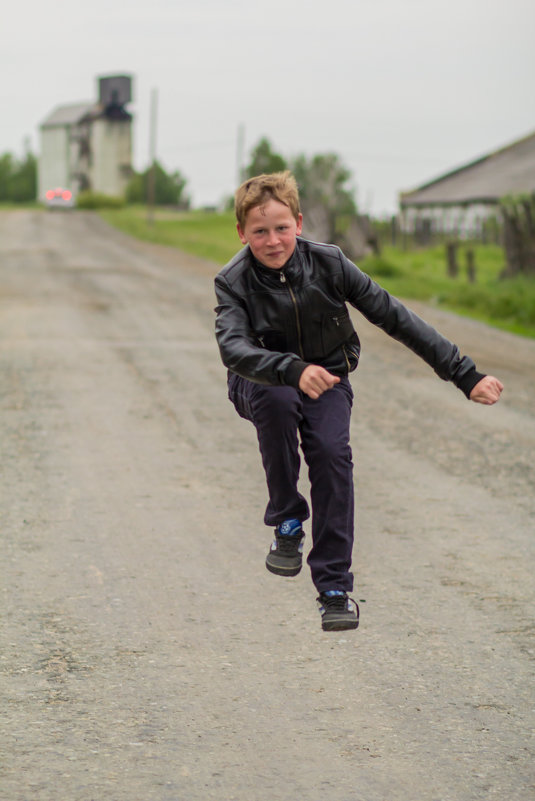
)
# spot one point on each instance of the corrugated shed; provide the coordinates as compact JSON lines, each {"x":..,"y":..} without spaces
{"x":509,"y":170}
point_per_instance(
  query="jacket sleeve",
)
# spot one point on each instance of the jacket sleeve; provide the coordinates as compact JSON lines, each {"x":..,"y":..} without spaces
{"x":239,"y":349}
{"x":399,"y":322}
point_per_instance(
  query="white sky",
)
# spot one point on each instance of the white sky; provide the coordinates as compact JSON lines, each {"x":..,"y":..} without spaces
{"x":402,"y":90}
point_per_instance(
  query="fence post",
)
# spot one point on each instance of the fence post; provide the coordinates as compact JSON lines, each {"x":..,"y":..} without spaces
{"x":451,"y":259}
{"x":471,"y":265}
{"x":394,"y":230}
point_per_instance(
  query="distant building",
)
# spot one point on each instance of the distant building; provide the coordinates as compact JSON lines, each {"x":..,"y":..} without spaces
{"x":462,"y":200}
{"x":89,"y":145}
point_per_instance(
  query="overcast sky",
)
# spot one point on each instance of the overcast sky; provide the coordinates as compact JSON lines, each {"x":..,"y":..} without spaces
{"x":401,"y":90}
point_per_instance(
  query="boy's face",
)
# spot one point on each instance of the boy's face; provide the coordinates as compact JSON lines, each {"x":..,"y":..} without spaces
{"x":270,"y":231}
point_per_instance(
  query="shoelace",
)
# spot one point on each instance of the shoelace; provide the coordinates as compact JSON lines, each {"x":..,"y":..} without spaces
{"x":288,"y":544}
{"x":335,"y":602}
{"x":340,"y":603}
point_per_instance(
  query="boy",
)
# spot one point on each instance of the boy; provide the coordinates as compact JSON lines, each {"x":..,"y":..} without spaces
{"x":285,"y":335}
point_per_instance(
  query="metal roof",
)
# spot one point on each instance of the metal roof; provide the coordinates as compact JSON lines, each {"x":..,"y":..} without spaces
{"x":509,"y":170}
{"x":70,"y":114}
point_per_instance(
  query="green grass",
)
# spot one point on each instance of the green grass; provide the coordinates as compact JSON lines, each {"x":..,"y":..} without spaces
{"x":421,"y":275}
{"x":27,"y":204}
{"x":413,"y":275}
{"x":205,"y":234}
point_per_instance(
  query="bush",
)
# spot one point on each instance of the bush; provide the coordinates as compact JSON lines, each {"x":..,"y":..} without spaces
{"x":18,"y":179}
{"x":379,"y":267}
{"x":169,"y":190}
{"x":98,"y":200}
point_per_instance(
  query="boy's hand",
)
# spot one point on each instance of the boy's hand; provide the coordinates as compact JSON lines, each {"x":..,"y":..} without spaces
{"x":316,"y":380}
{"x":487,"y":391}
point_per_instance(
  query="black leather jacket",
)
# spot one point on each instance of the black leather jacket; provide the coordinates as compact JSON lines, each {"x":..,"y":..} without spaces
{"x":272,"y":323}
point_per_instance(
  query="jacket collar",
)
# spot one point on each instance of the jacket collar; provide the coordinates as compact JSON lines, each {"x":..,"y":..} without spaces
{"x":292,"y":268}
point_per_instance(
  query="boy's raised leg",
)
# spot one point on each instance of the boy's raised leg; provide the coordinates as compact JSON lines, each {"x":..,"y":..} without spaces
{"x":276,"y":413}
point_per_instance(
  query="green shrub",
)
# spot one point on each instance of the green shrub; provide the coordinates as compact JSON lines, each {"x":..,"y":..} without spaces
{"x":98,"y":200}
{"x":379,"y":267}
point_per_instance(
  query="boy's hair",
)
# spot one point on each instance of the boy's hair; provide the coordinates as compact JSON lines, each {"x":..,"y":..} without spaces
{"x":256,"y":191}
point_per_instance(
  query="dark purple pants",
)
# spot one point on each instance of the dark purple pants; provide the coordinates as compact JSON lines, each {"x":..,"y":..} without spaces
{"x":282,"y":416}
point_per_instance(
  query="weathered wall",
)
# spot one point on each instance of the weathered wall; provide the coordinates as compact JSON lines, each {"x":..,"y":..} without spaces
{"x":111,"y":148}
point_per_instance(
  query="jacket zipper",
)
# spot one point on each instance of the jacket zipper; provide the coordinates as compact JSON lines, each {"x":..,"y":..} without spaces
{"x":284,"y":280}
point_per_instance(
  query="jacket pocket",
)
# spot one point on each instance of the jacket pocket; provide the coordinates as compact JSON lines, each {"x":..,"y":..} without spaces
{"x":336,"y":329}
{"x":352,"y":352}
{"x":273,"y":340}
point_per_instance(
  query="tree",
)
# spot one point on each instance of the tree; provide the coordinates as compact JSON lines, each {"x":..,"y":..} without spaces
{"x":329,"y":210}
{"x":24,"y":180}
{"x":168,"y":188}
{"x":322,"y":181}
{"x":6,"y":171}
{"x":264,"y":160}
{"x":326,"y":201}
{"x":18,"y":179}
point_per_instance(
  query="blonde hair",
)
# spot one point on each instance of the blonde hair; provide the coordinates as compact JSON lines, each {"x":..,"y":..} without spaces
{"x":256,"y":191}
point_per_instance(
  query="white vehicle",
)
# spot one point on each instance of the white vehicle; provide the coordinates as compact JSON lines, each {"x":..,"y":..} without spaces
{"x":59,"y":198}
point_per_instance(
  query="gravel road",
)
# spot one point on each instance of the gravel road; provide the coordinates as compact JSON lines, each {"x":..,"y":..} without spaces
{"x":147,"y":655}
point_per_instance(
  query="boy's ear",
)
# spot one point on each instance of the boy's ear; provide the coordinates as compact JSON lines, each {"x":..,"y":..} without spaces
{"x":243,"y":238}
{"x":299,"y":223}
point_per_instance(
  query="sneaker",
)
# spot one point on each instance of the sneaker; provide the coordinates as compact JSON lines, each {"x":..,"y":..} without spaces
{"x":338,"y":611}
{"x":286,"y":555}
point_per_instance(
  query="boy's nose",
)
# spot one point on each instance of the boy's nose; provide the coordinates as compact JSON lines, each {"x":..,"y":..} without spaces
{"x":273,"y":237}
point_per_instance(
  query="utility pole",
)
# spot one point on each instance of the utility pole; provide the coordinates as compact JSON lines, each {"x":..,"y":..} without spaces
{"x":240,"y":147}
{"x":151,"y":178}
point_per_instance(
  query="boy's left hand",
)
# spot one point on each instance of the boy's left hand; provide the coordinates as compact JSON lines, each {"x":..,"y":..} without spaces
{"x":487,"y":391}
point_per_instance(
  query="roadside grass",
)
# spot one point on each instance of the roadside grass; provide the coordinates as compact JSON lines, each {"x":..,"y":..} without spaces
{"x":27,"y":204}
{"x":410,"y":274}
{"x":508,"y":304}
{"x":209,"y":235}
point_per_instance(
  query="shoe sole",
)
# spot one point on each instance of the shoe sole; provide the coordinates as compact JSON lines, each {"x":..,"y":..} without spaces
{"x":339,"y":625}
{"x":280,"y":570}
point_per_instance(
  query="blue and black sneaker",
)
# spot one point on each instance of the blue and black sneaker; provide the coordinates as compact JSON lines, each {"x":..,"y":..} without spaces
{"x":286,"y":555}
{"x":338,"y":611}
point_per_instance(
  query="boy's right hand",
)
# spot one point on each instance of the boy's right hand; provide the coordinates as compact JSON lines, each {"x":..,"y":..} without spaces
{"x":316,"y":380}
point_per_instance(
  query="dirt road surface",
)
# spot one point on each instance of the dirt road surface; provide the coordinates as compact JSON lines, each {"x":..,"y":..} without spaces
{"x":147,"y":655}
